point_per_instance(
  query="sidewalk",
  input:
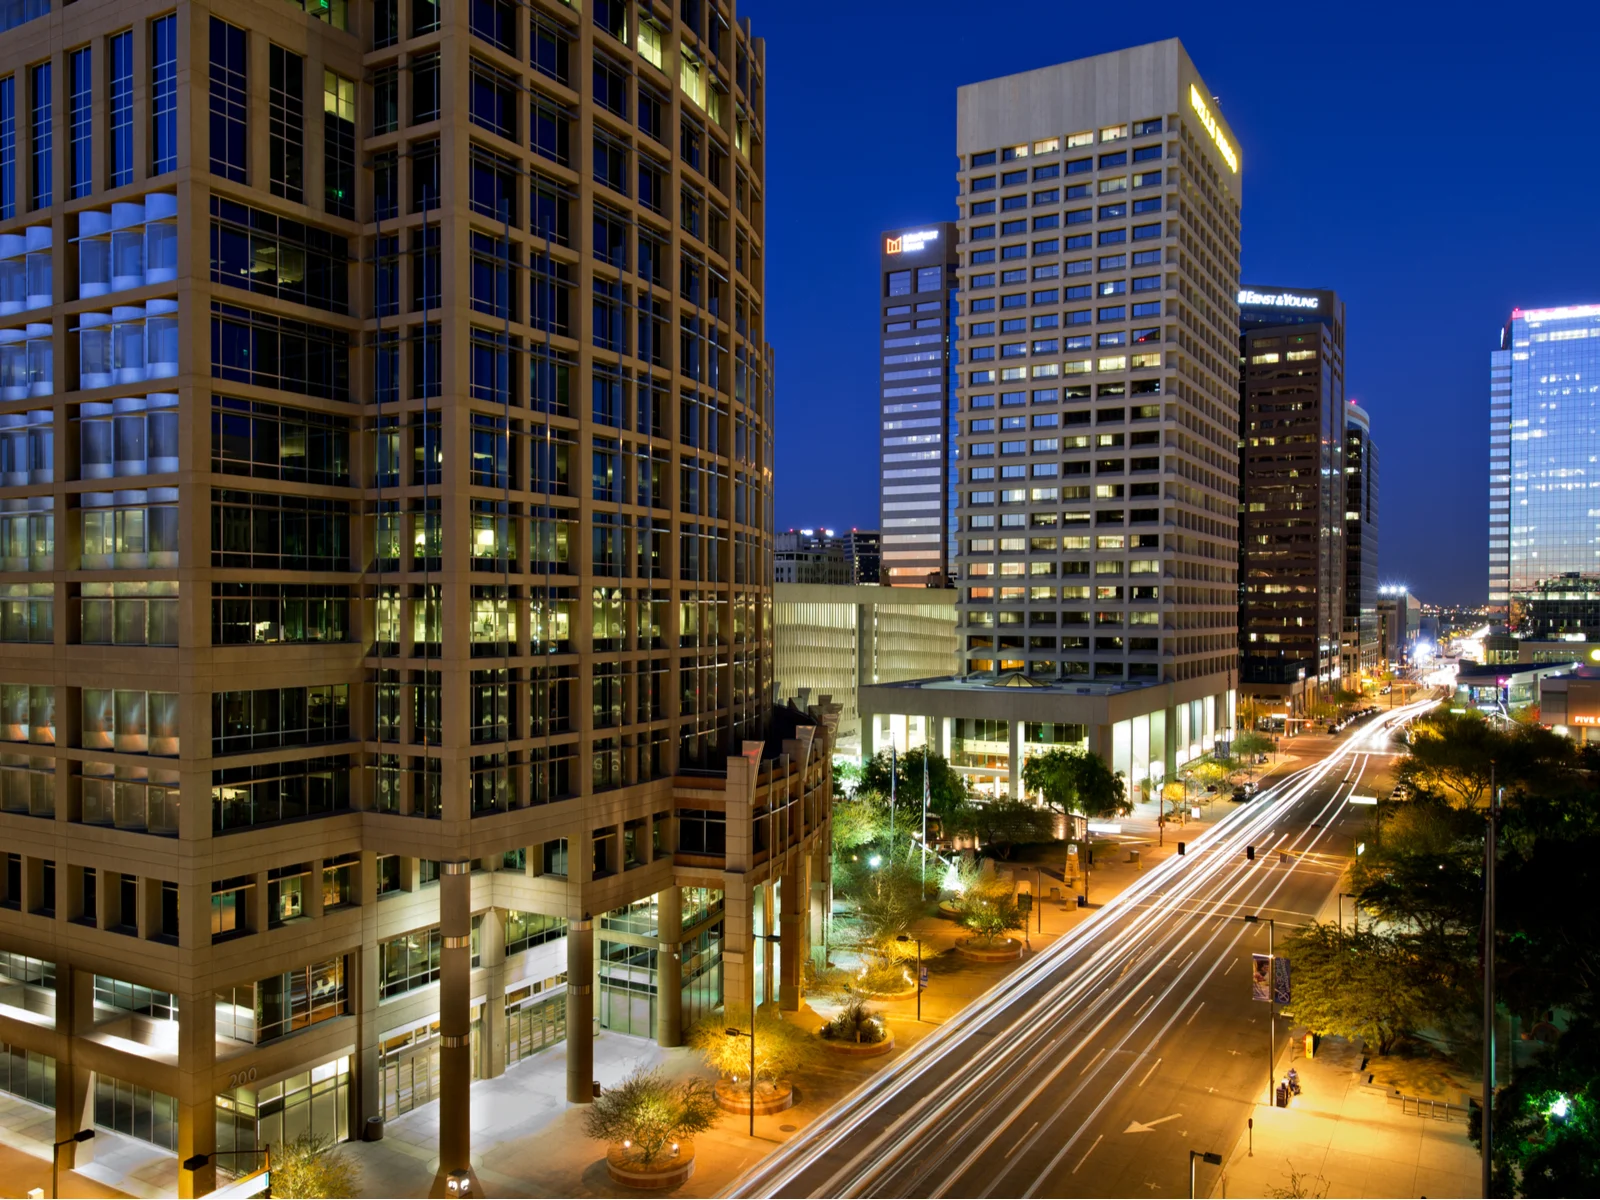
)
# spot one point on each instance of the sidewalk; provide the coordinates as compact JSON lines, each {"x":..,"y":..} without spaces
{"x":528,"y":1141}
{"x":1347,"y":1139}
{"x":25,"y":1134}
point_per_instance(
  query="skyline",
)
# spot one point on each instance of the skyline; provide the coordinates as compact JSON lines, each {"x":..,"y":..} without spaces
{"x":1306,"y":224}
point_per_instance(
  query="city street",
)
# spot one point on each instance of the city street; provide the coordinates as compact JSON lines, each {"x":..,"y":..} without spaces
{"x":1099,"y":1066}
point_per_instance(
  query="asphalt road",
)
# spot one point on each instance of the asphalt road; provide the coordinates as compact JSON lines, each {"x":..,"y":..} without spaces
{"x":1094,"y":1069}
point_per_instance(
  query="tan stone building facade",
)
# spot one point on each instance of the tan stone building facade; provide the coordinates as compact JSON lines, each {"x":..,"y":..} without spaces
{"x":386,"y":651}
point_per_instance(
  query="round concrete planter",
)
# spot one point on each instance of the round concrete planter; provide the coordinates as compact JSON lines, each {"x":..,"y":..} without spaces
{"x":948,"y":910}
{"x":905,"y":993}
{"x":860,"y":1049}
{"x":1008,"y":951}
{"x":770,"y":1097}
{"x":668,"y":1171}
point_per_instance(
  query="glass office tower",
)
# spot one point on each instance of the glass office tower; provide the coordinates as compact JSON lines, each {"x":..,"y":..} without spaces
{"x":917,"y":277}
{"x":1544,"y":403}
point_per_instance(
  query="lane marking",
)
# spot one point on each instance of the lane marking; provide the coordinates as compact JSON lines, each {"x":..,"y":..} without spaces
{"x":1147,"y":1000}
{"x":1195,"y":1013}
{"x":1088,"y":1152}
{"x":1021,"y":1139}
{"x":1093,"y":1060}
{"x":1150,"y":1072}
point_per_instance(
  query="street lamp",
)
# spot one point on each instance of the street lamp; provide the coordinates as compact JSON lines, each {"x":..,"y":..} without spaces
{"x":1272,"y":1000}
{"x":754,"y":937}
{"x":1207,"y":1156}
{"x":907,"y":938}
{"x":83,"y":1135}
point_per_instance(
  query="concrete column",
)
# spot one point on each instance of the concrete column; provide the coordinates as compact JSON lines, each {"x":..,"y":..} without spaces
{"x":74,"y":1084}
{"x":792,"y":936}
{"x":1014,"y":758}
{"x":869,"y":725}
{"x":580,"y":1011}
{"x":492,"y":956}
{"x":1169,"y":747}
{"x":197,"y":1106}
{"x":819,"y":905}
{"x":669,"y":967}
{"x":455,"y":1021}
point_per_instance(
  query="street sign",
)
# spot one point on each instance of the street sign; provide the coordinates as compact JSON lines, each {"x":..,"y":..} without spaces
{"x":922,"y":980}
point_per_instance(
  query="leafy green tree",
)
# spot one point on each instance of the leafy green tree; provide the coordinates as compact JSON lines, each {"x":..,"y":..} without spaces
{"x":947,"y":788}
{"x":1547,"y":1120}
{"x":858,"y":822}
{"x":1249,"y":744}
{"x":646,"y":1113}
{"x":310,"y":1166}
{"x":781,"y":1048}
{"x":846,"y":777}
{"x":1422,"y":869}
{"x":1002,"y":824}
{"x":1380,"y":987}
{"x":1073,"y":780}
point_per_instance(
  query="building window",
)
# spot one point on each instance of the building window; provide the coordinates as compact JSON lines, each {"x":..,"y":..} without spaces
{"x":229,"y":100}
{"x":8,"y":147}
{"x":278,"y":352}
{"x":409,"y":962}
{"x":164,"y":96}
{"x":121,"y":46}
{"x":286,"y":124}
{"x":43,"y":192}
{"x":279,"y":1005}
{"x":130,"y":721}
{"x":339,"y":144}
{"x":135,"y":1111}
{"x":80,"y":98}
{"x":246,"y":797}
{"x":246,"y":722}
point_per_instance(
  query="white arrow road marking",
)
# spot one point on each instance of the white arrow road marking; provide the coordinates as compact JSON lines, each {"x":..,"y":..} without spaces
{"x":1143,"y":1127}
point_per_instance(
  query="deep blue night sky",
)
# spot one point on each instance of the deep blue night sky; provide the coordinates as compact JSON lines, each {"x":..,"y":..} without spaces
{"x":1436,"y":169}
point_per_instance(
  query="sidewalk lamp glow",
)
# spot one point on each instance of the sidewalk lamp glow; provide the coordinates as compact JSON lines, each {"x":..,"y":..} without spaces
{"x":1560,"y":1107}
{"x":1361,"y":848}
{"x":875,"y":862}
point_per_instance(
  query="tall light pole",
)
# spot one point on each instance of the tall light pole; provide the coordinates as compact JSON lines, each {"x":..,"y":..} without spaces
{"x":1207,"y":1156}
{"x":83,"y":1135}
{"x":755,"y":937}
{"x":1272,"y":1001}
{"x":907,"y":938}
{"x":1489,"y":850}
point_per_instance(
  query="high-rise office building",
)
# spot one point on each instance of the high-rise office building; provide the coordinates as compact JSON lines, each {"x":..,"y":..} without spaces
{"x":917,"y":279}
{"x":1099,"y":396}
{"x":1291,"y":492}
{"x":1362,"y":645}
{"x":1544,"y":380}
{"x":387,"y":519}
{"x":810,"y":556}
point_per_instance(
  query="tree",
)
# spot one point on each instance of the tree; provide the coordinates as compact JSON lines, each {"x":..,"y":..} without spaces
{"x":1547,"y":1120}
{"x":859,"y":822}
{"x":309,"y":1166}
{"x":947,"y":788}
{"x":1422,"y":869}
{"x":1073,"y":780}
{"x":1003,"y":824}
{"x":1451,"y":756}
{"x":846,"y":778}
{"x":988,"y":908}
{"x":645,"y":1113}
{"x":891,"y":900}
{"x":1249,"y":744}
{"x":781,"y":1048}
{"x":1376,"y":986}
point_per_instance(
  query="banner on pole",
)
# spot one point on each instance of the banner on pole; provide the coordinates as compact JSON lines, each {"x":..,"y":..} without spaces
{"x":1263,"y":967}
{"x":1260,"y":972}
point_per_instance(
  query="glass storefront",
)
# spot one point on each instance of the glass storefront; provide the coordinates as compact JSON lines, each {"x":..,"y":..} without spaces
{"x":408,"y":1060}
{"x":536,"y":1018}
{"x":702,"y":974}
{"x":628,"y":988}
{"x":266,"y":1115}
{"x":136,"y":1112}
{"x":28,"y":1074}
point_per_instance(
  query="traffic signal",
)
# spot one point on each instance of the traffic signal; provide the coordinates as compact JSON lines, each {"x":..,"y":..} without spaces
{"x":1180,"y":849}
{"x":1250,"y":853}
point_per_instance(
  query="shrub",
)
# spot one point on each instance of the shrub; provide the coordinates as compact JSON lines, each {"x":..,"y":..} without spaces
{"x":856,"y":1023}
{"x":645,"y":1113}
{"x":988,"y":908}
{"x":309,"y":1166}
{"x":884,"y":977}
